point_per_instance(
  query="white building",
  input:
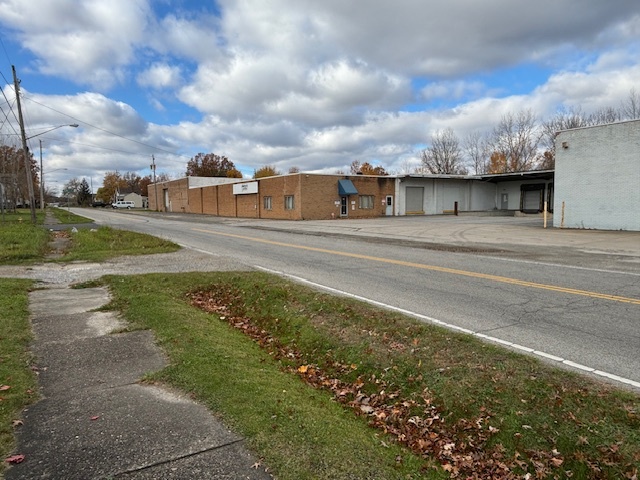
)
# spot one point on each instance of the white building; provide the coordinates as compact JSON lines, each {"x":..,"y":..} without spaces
{"x":504,"y":194}
{"x":597,"y":177}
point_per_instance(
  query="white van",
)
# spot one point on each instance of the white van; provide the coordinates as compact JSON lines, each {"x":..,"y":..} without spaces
{"x":123,"y":204}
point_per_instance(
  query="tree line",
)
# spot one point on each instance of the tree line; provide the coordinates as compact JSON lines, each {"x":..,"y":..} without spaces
{"x":519,"y":142}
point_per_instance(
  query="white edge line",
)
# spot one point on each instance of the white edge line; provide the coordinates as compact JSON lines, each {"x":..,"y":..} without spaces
{"x":435,"y":321}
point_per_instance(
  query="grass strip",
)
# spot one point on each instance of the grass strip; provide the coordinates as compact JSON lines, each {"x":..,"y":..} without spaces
{"x":17,"y":381}
{"x":298,"y":431}
{"x":480,"y":410}
{"x":68,"y":218}
{"x":22,"y":243}
{"x":97,"y":245}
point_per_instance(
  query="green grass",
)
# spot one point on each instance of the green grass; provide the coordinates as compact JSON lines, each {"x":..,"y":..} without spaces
{"x":15,"y":372}
{"x":22,"y":242}
{"x":477,"y":405}
{"x":105,"y":242}
{"x":307,"y":376}
{"x":66,"y":217}
{"x":298,"y":431}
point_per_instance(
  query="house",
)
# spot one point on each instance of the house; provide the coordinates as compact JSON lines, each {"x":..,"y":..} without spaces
{"x":129,"y":195}
{"x":597,"y":180}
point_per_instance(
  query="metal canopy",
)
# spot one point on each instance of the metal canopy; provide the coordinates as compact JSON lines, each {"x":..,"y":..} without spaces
{"x":346,"y":188}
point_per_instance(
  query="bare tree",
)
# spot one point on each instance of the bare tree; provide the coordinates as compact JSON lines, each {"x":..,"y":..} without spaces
{"x":604,"y":115}
{"x":475,"y":148}
{"x":630,"y":108}
{"x":562,"y":120}
{"x":515,"y":140}
{"x":444,"y":155}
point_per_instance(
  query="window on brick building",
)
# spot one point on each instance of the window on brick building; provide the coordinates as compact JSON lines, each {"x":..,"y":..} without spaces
{"x":366,"y":201}
{"x":288,"y":202}
{"x":266,"y":203}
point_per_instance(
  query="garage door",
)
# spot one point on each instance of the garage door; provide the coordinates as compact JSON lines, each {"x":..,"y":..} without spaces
{"x":531,"y":201}
{"x":415,"y":201}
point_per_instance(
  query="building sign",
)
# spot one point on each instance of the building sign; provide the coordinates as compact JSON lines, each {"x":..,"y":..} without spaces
{"x":245,"y":188}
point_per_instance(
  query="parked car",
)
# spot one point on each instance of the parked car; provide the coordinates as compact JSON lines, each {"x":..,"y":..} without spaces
{"x":123,"y":204}
{"x":98,"y":204}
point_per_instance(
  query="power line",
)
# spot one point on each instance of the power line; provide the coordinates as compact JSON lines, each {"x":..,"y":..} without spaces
{"x":107,"y":131}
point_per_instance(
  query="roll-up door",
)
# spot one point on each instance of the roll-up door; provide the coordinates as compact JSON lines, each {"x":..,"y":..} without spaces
{"x":415,"y":200}
{"x":532,"y":198}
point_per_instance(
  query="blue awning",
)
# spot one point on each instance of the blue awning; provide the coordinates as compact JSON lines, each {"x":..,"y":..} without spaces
{"x":346,"y":187}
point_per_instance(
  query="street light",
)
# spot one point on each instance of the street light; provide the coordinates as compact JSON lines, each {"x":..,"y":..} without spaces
{"x":74,"y":125}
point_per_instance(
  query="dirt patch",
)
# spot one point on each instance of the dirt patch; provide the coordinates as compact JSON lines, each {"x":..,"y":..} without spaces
{"x":59,"y":245}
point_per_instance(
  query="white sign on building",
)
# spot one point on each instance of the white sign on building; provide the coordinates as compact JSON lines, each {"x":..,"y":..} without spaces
{"x":245,"y":188}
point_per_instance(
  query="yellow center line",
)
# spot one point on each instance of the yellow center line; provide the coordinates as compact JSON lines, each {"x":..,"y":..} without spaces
{"x":434,"y":268}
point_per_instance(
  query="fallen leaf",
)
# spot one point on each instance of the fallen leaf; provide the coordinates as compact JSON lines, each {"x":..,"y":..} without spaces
{"x":95,"y":417}
{"x":303,"y":368}
{"x":15,"y":459}
{"x":17,"y":423}
{"x":4,"y":388}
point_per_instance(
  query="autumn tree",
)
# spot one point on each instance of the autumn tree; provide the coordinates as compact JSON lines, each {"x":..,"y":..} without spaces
{"x":111,"y":183}
{"x":497,"y":163}
{"x":132,"y":180}
{"x":366,"y":168}
{"x":13,"y":174}
{"x":444,"y":155}
{"x":212,"y":165}
{"x":516,"y":139}
{"x":266,"y":171}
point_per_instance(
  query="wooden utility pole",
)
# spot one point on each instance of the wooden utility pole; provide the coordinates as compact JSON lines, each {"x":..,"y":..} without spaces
{"x":25,"y":150}
{"x":155,"y":187}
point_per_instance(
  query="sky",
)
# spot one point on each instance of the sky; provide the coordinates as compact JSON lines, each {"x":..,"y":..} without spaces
{"x":297,"y":83}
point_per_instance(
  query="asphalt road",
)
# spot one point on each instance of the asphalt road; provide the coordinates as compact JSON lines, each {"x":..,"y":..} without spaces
{"x":582,"y":316}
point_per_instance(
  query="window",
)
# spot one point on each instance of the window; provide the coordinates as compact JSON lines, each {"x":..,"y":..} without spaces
{"x":366,"y":201}
{"x":266,"y":203}
{"x":288,"y":202}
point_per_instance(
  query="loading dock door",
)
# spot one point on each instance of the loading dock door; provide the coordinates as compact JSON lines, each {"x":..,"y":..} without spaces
{"x":414,"y":201}
{"x":532,"y":198}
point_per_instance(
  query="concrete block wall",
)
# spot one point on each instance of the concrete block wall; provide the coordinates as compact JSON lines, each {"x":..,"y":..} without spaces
{"x":597,"y":177}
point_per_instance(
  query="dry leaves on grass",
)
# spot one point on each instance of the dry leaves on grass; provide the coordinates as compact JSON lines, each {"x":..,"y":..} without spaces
{"x":463,"y":449}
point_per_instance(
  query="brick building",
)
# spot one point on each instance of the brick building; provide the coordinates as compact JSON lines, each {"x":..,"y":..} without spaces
{"x":298,"y":196}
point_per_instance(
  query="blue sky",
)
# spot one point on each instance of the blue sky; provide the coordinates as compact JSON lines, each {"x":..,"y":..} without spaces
{"x":315,"y":85}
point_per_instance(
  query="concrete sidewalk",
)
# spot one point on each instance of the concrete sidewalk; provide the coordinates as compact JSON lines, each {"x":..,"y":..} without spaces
{"x":96,"y":421}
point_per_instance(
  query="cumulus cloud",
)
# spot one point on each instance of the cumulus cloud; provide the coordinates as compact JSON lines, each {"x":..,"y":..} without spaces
{"x":311,"y":84}
{"x":160,"y":76}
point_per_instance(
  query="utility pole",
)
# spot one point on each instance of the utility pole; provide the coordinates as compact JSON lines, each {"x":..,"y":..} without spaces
{"x":155,"y":187}
{"x":41,"y":180}
{"x":25,"y":151}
